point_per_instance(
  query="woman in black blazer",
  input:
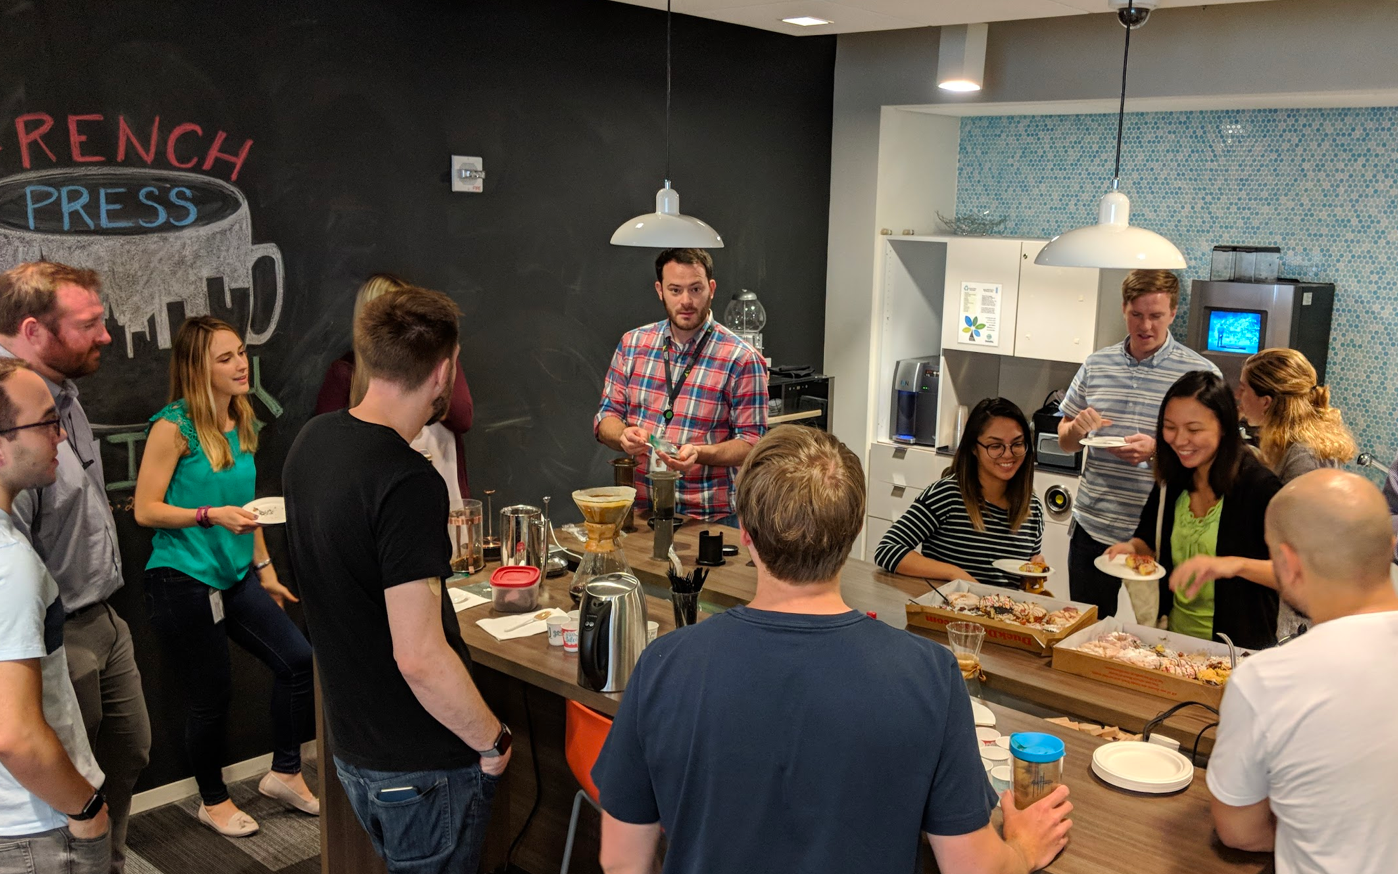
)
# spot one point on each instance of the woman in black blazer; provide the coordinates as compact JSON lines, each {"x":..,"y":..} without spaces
{"x":1215,"y":486}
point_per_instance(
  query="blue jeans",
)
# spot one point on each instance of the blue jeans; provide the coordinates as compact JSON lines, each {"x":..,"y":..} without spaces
{"x":438,"y":827}
{"x":182,"y":615}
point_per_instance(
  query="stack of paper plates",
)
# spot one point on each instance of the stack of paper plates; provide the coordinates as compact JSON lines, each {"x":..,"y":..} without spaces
{"x":984,"y":715}
{"x":1142,"y":767}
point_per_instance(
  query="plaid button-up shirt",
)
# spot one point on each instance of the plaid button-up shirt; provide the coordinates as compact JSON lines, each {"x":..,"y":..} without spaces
{"x":725,"y":397}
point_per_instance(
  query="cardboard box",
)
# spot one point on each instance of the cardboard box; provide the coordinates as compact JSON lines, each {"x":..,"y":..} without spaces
{"x":1153,"y":682}
{"x":930,"y":611}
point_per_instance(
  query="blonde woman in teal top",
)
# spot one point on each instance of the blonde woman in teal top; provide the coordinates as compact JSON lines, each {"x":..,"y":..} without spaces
{"x":209,"y":579}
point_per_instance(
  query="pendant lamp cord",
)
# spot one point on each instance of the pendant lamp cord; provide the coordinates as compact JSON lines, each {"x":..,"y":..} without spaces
{"x":667,"y":97}
{"x":1121,"y":109}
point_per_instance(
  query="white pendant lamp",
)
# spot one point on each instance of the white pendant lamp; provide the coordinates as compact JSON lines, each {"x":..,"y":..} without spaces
{"x":1113,"y":243}
{"x":961,"y":57}
{"x":667,"y":227}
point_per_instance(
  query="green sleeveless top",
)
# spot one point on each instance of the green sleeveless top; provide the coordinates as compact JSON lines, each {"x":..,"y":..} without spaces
{"x":214,"y":556}
{"x":1194,"y":535}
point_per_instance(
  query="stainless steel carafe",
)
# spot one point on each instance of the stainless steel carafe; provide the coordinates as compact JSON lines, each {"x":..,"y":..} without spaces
{"x":522,"y":536}
{"x":611,"y":631}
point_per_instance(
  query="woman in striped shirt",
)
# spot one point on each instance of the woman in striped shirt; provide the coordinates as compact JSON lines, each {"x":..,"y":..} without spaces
{"x":984,"y":509}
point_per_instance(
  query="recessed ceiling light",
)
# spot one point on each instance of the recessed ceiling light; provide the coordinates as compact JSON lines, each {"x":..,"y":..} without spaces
{"x":805,"y":21}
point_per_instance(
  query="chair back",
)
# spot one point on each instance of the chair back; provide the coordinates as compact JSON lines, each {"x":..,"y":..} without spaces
{"x":584,"y":732}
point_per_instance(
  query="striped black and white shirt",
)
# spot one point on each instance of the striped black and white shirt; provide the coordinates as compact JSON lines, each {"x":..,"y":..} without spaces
{"x":938,"y":525}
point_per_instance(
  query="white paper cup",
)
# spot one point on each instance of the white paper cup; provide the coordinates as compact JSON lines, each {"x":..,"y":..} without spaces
{"x":574,"y":615}
{"x":987,"y":736}
{"x":652,"y":630}
{"x":1001,"y":778}
{"x":555,"y":627}
{"x":570,"y":636}
{"x":1003,"y":741}
{"x":997,"y":756}
{"x":988,"y":765}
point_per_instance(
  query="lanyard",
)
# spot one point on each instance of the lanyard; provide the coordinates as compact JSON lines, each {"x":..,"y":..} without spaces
{"x":673,"y":388}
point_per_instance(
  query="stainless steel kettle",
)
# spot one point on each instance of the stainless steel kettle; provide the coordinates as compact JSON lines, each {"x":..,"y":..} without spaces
{"x":611,"y":631}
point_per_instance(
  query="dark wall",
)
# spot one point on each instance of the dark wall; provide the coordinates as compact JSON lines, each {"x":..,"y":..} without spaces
{"x":353,"y":108}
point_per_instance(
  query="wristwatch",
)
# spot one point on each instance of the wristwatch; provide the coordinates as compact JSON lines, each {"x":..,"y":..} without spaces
{"x":501,"y":745}
{"x":93,"y":807}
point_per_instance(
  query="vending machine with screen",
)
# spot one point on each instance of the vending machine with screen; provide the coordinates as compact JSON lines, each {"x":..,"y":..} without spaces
{"x":1228,"y":321}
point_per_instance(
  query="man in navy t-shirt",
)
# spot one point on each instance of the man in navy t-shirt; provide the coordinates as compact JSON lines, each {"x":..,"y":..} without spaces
{"x":796,"y":734}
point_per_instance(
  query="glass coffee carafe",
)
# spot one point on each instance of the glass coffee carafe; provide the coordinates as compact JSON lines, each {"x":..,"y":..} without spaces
{"x":604,"y":510}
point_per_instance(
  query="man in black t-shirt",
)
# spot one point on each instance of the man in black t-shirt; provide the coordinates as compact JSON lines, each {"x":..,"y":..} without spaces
{"x":796,"y":734}
{"x":417,"y":749}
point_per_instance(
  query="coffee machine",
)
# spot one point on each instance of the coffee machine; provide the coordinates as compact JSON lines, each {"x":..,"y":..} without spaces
{"x":913,"y":413}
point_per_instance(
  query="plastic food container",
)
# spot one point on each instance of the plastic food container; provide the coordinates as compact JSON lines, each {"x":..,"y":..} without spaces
{"x":515,"y":589}
{"x":1038,"y":765}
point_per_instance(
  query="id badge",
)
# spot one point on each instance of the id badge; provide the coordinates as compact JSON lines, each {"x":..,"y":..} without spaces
{"x":216,"y":605}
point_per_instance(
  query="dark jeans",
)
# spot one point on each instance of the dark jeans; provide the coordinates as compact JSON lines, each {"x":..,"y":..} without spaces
{"x":182,"y":616}
{"x":437,"y":826}
{"x":1086,"y":584}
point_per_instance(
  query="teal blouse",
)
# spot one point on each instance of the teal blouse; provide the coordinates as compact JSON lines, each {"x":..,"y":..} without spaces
{"x":214,"y":556}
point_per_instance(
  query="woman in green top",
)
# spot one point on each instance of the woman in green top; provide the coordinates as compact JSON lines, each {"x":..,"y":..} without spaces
{"x":1215,"y":495}
{"x":209,"y":578}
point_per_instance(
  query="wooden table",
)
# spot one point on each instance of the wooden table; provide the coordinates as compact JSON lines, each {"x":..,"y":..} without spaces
{"x":526,"y":681}
{"x":1011,"y":672}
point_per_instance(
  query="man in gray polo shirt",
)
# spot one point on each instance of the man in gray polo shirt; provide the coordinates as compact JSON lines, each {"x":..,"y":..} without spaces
{"x":1117,"y":393}
{"x":52,"y":317}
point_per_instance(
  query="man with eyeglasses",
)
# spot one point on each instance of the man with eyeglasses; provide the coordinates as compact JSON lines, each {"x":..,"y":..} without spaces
{"x":1117,"y":393}
{"x":52,"y":318}
{"x":53,"y":818}
{"x":687,"y":391}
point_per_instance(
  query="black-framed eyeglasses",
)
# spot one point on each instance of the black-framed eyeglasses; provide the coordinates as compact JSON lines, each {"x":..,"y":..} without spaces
{"x":55,"y":425}
{"x":997,"y":450}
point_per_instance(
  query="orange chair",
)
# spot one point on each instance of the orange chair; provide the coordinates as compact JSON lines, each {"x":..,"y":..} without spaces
{"x":584,"y":732}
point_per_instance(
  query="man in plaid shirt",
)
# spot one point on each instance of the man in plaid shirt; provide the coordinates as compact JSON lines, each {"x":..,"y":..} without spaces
{"x":690,"y":382}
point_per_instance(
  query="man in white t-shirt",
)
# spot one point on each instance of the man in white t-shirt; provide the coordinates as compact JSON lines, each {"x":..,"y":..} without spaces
{"x":53,"y":818}
{"x":1302,"y":761}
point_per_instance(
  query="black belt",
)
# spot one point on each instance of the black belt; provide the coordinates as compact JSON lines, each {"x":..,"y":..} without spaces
{"x":82,"y":611}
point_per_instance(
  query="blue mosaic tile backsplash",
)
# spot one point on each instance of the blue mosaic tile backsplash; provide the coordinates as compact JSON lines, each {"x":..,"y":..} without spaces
{"x":1319,"y":183}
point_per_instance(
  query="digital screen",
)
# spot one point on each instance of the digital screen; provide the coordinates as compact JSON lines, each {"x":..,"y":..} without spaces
{"x":1236,"y":331}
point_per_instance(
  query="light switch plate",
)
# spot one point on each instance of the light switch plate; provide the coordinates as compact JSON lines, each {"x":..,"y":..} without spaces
{"x":464,"y":162}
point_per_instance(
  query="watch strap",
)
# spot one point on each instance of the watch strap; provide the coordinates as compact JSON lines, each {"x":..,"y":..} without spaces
{"x":93,"y":807}
{"x":501,"y":745}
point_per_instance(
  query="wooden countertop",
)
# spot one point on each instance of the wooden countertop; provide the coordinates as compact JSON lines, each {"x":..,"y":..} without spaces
{"x":867,"y":587}
{"x":1113,"y":831}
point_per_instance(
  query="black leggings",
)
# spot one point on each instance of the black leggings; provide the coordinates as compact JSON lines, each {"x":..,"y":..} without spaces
{"x":182,"y":614}
{"x":1086,"y":584}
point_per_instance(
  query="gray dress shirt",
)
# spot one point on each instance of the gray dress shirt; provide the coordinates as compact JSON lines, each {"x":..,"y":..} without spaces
{"x":74,"y":532}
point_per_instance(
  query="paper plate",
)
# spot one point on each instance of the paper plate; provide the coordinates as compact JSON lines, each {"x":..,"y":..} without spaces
{"x":1103,"y":442}
{"x":984,"y":715}
{"x":1142,"y":767}
{"x":270,"y":511}
{"x":1011,"y":567}
{"x":1117,"y":568}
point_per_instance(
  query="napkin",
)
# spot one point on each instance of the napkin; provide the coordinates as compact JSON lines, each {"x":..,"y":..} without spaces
{"x":519,"y":624}
{"x":464,"y":600}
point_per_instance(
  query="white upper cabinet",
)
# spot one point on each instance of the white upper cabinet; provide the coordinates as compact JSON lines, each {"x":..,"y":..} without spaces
{"x":1015,"y":306}
{"x":1057,"y":316}
{"x":983,"y":285}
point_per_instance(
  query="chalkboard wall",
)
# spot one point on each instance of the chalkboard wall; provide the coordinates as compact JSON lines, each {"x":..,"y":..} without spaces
{"x":258,"y":159}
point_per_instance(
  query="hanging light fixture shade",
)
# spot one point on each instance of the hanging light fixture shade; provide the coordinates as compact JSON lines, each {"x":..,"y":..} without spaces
{"x":1113,"y":243}
{"x":667,"y":227}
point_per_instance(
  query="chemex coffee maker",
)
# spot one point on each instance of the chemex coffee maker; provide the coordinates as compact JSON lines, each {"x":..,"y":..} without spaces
{"x":611,"y":631}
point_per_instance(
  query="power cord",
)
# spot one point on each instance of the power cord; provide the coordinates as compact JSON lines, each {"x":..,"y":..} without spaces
{"x":538,"y":786}
{"x":1161,"y":717}
{"x":1194,"y":757}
